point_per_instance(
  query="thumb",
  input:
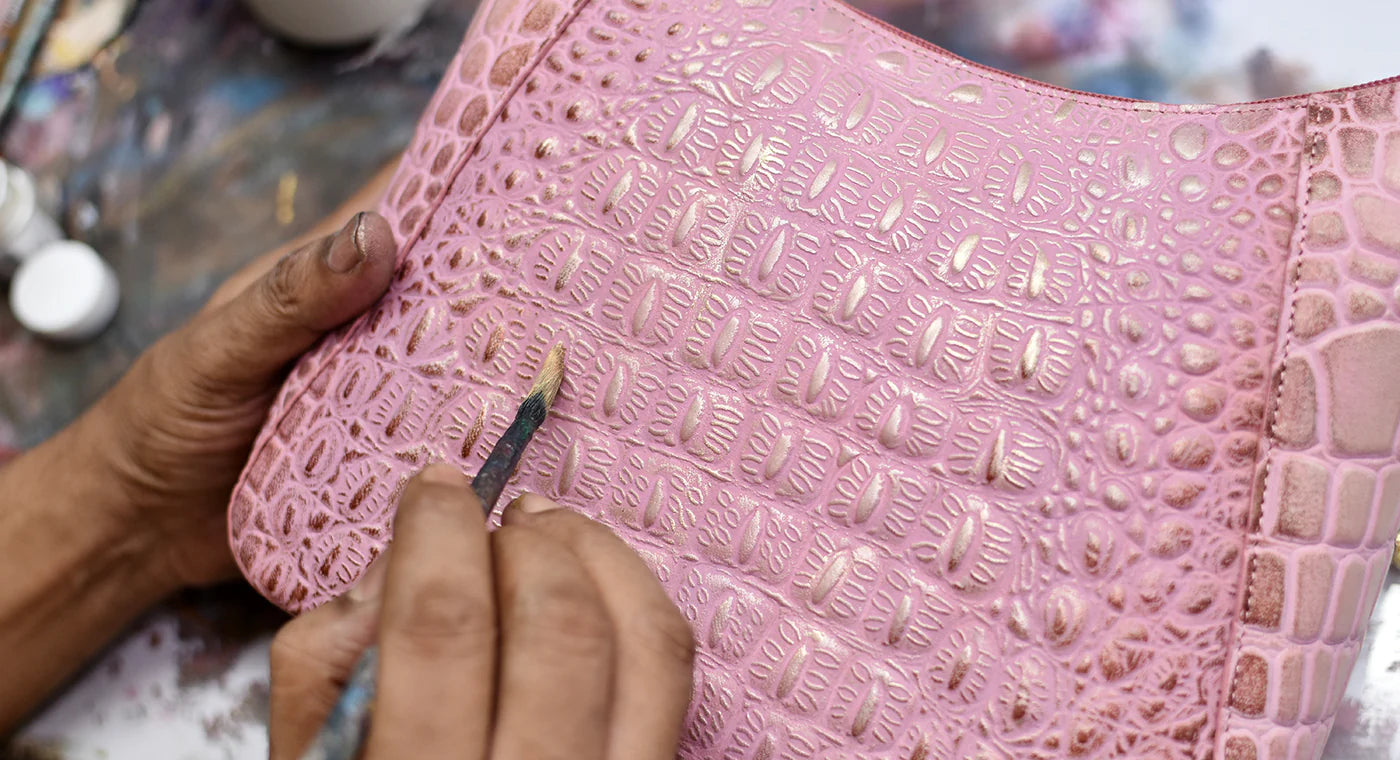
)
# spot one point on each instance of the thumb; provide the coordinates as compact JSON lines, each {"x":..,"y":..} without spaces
{"x":249,"y":340}
{"x":312,"y":658}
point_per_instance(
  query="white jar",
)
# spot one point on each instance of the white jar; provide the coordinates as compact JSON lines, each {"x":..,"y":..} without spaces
{"x":336,"y":22}
{"x":24,"y":226}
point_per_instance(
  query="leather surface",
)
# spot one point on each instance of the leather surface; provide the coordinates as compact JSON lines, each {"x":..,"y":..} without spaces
{"x":1325,"y":532}
{"x":940,"y":401}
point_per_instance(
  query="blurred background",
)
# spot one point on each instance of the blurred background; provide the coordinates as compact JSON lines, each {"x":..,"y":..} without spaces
{"x":181,"y":138}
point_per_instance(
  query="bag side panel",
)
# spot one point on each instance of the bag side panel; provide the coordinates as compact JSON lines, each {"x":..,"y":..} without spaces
{"x":1321,"y":541}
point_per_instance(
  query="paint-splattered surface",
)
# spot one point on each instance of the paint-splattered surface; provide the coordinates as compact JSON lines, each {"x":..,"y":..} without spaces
{"x":194,"y":142}
{"x":191,"y":144}
{"x":190,"y":683}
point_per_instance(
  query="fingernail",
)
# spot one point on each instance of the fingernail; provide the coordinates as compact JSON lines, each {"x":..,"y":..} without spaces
{"x":443,"y":474}
{"x":347,"y":249}
{"x":371,"y":582}
{"x":359,"y":235}
{"x":533,"y":504}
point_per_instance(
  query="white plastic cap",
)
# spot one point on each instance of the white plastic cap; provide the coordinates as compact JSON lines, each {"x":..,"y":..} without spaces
{"x":64,"y":291}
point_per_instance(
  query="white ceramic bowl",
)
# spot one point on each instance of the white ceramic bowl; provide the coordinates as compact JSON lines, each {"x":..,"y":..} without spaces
{"x":335,"y":22}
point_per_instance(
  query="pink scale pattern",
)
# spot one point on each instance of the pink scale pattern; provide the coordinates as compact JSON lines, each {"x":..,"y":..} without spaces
{"x":962,"y":416}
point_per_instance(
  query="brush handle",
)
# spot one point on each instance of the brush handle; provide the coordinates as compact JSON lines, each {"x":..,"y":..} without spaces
{"x":343,"y":733}
{"x":491,"y":479}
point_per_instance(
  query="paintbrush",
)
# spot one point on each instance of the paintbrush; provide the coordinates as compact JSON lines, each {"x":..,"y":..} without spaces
{"x":344,"y":731}
{"x":491,"y":479}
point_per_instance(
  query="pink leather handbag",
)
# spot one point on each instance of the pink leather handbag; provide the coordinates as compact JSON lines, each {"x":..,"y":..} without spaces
{"x":963,"y":416}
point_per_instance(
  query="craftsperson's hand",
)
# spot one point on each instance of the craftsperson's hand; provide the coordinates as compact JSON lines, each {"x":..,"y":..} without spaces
{"x":127,"y":504}
{"x":548,"y":638}
{"x":179,"y":425}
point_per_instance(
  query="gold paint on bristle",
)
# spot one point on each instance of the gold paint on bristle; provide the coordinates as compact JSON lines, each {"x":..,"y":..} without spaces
{"x":551,"y":376}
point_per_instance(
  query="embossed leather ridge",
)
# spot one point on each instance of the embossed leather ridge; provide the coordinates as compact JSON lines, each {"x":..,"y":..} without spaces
{"x":962,"y":416}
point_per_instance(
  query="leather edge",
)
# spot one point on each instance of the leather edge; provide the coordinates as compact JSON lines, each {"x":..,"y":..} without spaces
{"x":322,"y":357}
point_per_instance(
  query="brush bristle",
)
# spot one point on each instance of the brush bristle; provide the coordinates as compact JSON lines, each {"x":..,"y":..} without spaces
{"x":551,"y":376}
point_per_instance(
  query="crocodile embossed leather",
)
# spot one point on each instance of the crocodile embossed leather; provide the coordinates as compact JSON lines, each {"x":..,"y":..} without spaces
{"x":963,"y":416}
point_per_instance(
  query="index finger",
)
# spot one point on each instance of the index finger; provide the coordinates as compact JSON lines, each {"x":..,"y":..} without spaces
{"x":437,"y":627}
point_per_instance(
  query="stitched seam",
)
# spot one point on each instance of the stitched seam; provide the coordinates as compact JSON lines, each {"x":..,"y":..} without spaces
{"x":948,"y":60}
{"x":467,"y":152}
{"x":1250,"y":539}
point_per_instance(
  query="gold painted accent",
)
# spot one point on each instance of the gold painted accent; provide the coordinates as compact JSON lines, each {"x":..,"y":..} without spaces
{"x":618,"y":191}
{"x":774,"y":70}
{"x":1023,"y":183}
{"x":963,"y":253}
{"x":684,"y":126}
{"x":968,"y":93}
{"x":1189,"y":141}
{"x":286,"y":199}
{"x":1065,"y":110}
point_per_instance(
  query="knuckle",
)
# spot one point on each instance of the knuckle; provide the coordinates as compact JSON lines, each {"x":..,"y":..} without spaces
{"x":176,"y":360}
{"x":443,"y":617}
{"x":559,"y":612}
{"x":568,"y":616}
{"x":281,"y":296}
{"x":188,"y":370}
